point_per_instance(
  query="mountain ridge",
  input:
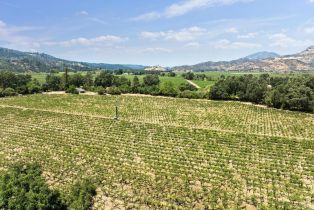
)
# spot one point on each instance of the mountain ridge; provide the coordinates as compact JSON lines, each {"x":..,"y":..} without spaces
{"x":303,"y":61}
{"x":19,"y":61}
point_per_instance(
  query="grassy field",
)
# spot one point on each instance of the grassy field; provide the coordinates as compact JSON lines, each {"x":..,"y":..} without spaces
{"x":175,"y":80}
{"x":164,"y":153}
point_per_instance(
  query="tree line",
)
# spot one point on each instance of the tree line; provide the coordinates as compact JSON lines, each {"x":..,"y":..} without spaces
{"x":291,"y":93}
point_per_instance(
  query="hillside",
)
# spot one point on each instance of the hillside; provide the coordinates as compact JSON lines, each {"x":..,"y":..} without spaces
{"x":266,"y":62}
{"x":18,"y":61}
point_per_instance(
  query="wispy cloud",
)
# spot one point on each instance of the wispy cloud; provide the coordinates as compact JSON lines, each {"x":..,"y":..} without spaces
{"x":282,"y":40}
{"x":232,"y":30}
{"x":186,"y":34}
{"x":156,"y":50}
{"x":83,"y":12}
{"x":309,"y":30}
{"x":10,"y":36}
{"x":248,"y":35}
{"x":185,"y":7}
{"x":226,"y":44}
{"x":96,"y":41}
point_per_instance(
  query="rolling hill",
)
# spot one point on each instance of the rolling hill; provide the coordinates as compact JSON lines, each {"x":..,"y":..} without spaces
{"x":18,"y":61}
{"x":263,"y":61}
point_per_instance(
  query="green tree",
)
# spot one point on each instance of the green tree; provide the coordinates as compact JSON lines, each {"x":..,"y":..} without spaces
{"x":53,"y":82}
{"x":135,"y":84}
{"x":76,"y":80}
{"x":151,"y":80}
{"x":168,"y":89}
{"x":22,"y":187}
{"x":104,"y":79}
{"x":88,"y":80}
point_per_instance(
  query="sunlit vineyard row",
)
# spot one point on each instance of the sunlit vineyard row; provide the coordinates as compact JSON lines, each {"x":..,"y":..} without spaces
{"x":214,"y":115}
{"x":164,"y":153}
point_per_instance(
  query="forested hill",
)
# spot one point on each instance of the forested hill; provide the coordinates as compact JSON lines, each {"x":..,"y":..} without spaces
{"x":18,"y":61}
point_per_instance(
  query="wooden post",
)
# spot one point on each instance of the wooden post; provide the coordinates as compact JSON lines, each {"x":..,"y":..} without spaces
{"x":117,"y":114}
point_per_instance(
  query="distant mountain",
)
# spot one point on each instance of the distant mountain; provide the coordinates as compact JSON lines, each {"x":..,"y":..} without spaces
{"x":262,"y":56}
{"x":39,"y":62}
{"x":303,"y":61}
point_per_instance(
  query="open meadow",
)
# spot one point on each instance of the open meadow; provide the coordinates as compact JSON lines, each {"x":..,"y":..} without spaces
{"x":164,"y":153}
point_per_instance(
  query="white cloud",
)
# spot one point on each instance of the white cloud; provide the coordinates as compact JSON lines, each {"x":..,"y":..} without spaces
{"x":232,"y":30}
{"x":84,"y":13}
{"x":100,"y":40}
{"x":282,"y":40}
{"x":226,"y":44}
{"x":147,"y":16}
{"x":155,"y":50}
{"x":248,"y":36}
{"x":186,"y":34}
{"x":192,"y":45}
{"x":309,"y":30}
{"x":185,"y":7}
{"x":10,"y":36}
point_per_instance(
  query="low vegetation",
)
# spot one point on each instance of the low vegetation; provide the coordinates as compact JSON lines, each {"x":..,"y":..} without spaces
{"x":163,"y":153}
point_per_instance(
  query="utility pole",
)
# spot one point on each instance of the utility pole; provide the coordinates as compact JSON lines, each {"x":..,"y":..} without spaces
{"x":117,"y":105}
{"x":66,"y":78}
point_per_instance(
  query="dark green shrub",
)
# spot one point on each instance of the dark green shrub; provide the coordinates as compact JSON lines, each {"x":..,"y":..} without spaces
{"x":22,"y":187}
{"x":9,"y":92}
{"x":72,"y":90}
{"x":192,"y":94}
{"x":113,"y":90}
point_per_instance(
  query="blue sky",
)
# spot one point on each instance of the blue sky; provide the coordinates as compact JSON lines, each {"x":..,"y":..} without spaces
{"x":152,"y":32}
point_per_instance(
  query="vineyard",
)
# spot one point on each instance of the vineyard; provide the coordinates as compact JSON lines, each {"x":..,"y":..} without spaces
{"x":164,"y":153}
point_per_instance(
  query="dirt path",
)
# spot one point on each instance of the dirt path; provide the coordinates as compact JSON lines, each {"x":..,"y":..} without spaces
{"x":192,"y":83}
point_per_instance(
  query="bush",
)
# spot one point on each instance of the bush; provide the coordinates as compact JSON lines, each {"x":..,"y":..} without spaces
{"x":151,"y":90}
{"x":9,"y":92}
{"x":22,"y":187}
{"x":168,"y":89}
{"x":125,"y":89}
{"x":113,"y":90}
{"x":72,"y":90}
{"x":151,"y":80}
{"x":192,"y":94}
{"x":81,"y":195}
{"x":187,"y":86}
{"x":101,"y":90}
